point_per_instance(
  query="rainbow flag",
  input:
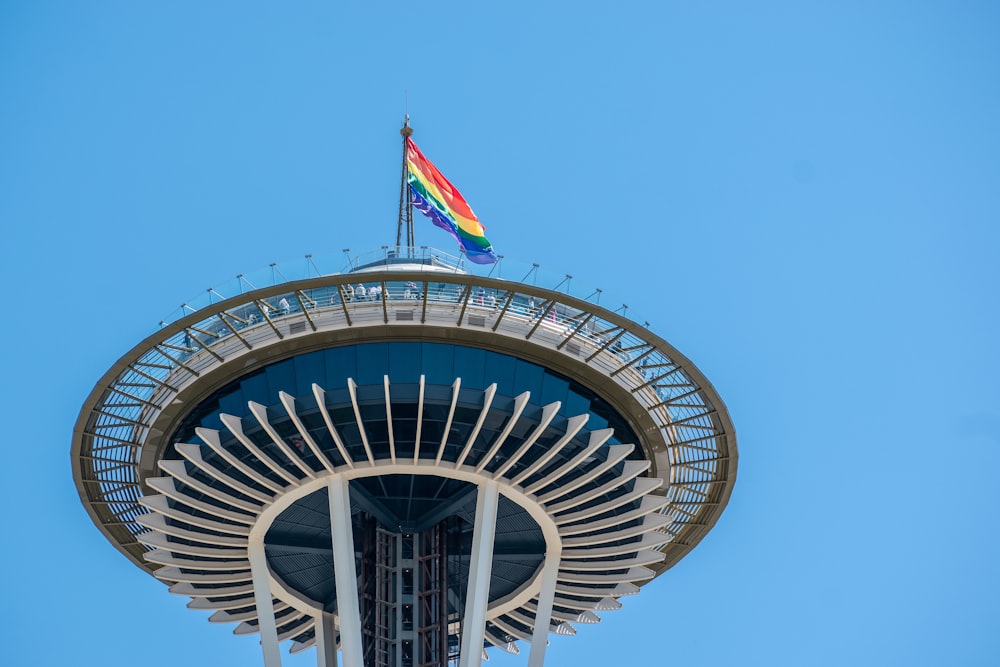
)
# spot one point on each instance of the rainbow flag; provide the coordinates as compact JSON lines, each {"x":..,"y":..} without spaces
{"x":439,"y":200}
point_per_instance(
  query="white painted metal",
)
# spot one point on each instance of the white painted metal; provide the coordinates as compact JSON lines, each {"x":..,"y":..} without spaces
{"x":193,"y":454}
{"x":161,"y":505}
{"x":235,"y":426}
{"x":352,"y":389}
{"x":158,"y":522}
{"x":543,"y":613}
{"x":166,"y":486}
{"x":238,"y":602}
{"x":211,"y":438}
{"x":581,"y":572}
{"x":388,"y":419}
{"x":648,"y":505}
{"x":345,"y":572}
{"x":548,"y":414}
{"x":320,"y":394}
{"x":650,"y":522}
{"x":177,"y":471}
{"x":262,"y":600}
{"x":173,"y":573}
{"x":615,"y":455}
{"x":187,"y":589}
{"x":326,"y":640}
{"x":632,"y":470}
{"x":597,"y":438}
{"x":639,"y":559}
{"x":487,"y":402}
{"x":641,"y":488}
{"x":223,"y":616}
{"x":502,"y":623}
{"x":519,"y":403}
{"x":260,"y":413}
{"x":288,"y":402}
{"x":650,"y":540}
{"x":480,"y":565}
{"x":205,"y":553}
{"x":164,"y":557}
{"x":420,"y":421}
{"x":455,"y":387}
{"x":573,"y":426}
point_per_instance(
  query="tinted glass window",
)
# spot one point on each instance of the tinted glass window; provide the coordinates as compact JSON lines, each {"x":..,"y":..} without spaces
{"x":367,"y":363}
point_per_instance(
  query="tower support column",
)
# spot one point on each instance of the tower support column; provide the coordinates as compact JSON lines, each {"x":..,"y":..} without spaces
{"x":326,"y":640}
{"x":480,"y":568}
{"x":261,"y":579}
{"x":543,"y":613}
{"x":345,"y":573}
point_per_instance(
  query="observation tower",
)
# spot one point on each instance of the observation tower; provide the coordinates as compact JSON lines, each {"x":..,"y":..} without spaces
{"x":409,"y":460}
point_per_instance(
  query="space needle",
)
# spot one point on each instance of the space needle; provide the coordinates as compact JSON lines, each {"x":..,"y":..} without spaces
{"x":411,"y":460}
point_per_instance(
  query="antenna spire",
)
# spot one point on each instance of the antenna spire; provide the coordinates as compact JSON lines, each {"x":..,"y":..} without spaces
{"x":405,"y":196}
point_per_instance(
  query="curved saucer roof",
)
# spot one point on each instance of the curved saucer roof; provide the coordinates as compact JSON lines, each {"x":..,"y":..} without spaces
{"x":181,"y":499}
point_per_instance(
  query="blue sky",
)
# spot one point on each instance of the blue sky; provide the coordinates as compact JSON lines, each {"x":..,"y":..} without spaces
{"x":801,"y":197}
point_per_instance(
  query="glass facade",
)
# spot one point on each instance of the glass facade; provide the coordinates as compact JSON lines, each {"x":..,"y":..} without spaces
{"x":404,"y":362}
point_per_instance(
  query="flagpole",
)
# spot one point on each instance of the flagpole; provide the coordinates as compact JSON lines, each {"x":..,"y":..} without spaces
{"x":405,"y":197}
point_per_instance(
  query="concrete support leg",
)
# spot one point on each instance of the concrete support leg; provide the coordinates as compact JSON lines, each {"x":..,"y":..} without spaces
{"x":543,"y":616}
{"x":480,"y":566}
{"x":345,"y":573}
{"x":265,"y":607}
{"x":326,"y":641}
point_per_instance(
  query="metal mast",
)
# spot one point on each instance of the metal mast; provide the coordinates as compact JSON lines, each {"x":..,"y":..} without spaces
{"x":405,"y":197}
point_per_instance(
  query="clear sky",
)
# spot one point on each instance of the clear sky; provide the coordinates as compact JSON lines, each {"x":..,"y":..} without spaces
{"x":802,"y":197}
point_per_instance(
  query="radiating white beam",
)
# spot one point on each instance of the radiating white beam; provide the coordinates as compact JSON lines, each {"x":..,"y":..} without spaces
{"x":166,"y":486}
{"x":649,"y":523}
{"x":647,"y":505}
{"x":420,"y":420}
{"x":487,"y":402}
{"x":158,"y":522}
{"x":388,"y":419}
{"x":288,"y":401}
{"x":548,"y":414}
{"x":642,"y":487}
{"x":159,"y":540}
{"x":193,"y":454}
{"x":573,"y":426}
{"x":320,"y":394}
{"x":640,"y":559}
{"x":235,"y":426}
{"x":455,"y":387}
{"x":632,"y":470}
{"x":177,"y":470}
{"x":615,"y":455}
{"x":223,"y":616}
{"x":597,"y":439}
{"x":260,"y":412}
{"x":211,"y":438}
{"x":352,"y":389}
{"x":519,"y":403}
{"x":161,"y":505}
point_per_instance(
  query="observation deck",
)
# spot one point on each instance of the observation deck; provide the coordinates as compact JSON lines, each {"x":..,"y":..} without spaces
{"x":219,"y":453}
